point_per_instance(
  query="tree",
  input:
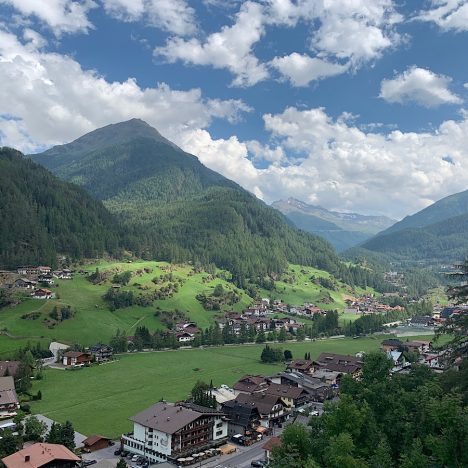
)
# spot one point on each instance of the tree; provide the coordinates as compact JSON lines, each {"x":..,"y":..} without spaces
{"x":300,"y":335}
{"x":9,"y":443}
{"x":121,"y":463}
{"x":218,"y":290}
{"x":382,"y":457}
{"x":25,"y":372}
{"x":55,"y":434}
{"x":34,"y":429}
{"x":376,"y":367}
{"x":261,"y":338}
{"x":68,"y":435}
{"x":282,"y":336}
{"x":287,"y":355}
{"x":201,"y":395}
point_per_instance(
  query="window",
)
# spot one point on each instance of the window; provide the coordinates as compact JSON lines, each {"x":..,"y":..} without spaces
{"x":219,"y":424}
{"x":218,"y":433}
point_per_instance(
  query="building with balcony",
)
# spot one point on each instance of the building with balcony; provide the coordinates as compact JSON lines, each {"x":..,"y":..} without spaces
{"x":166,"y":431}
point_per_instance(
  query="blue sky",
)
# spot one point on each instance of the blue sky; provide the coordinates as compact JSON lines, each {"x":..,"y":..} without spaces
{"x":355,"y":105}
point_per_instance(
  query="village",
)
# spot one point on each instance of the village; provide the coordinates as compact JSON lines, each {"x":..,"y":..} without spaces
{"x":237,"y":425}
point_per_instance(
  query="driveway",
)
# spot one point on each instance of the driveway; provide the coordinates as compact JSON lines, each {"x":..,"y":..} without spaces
{"x":78,"y":437}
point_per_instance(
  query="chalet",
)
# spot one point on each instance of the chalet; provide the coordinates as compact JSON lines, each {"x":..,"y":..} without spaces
{"x":42,"y":293}
{"x":316,"y":389}
{"x":290,"y":395}
{"x":24,"y":283}
{"x":270,"y":445}
{"x":223,"y":393}
{"x":42,"y":455}
{"x":243,"y":418}
{"x":421,"y":321}
{"x":8,"y":398}
{"x":304,"y":366}
{"x":46,"y":279}
{"x":418,"y":346}
{"x":343,"y":364}
{"x":166,"y":431}
{"x":101,"y":352}
{"x":398,"y":359}
{"x":76,"y":358}
{"x":96,"y":442}
{"x":328,"y":376}
{"x":251,"y":384}
{"x":271,"y":408}
{"x":9,"y":368}
{"x":184,"y":337}
{"x":448,"y":312}
{"x":62,"y":274}
{"x":391,"y":344}
{"x":43,"y":270}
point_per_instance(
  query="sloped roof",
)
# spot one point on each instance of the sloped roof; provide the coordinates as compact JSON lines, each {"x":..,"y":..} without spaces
{"x":166,"y":417}
{"x":91,"y":440}
{"x":285,"y":391}
{"x":38,"y":455}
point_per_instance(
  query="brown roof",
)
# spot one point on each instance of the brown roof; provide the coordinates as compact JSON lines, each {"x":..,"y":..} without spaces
{"x":166,"y":417}
{"x":300,"y":364}
{"x":39,"y":455}
{"x":286,"y":391}
{"x":262,"y":401}
{"x":10,"y":366}
{"x":75,"y":354}
{"x":7,"y":383}
{"x":250,"y":383}
{"x":8,"y":397}
{"x":339,"y":362}
{"x":91,"y":440}
{"x":270,"y":444}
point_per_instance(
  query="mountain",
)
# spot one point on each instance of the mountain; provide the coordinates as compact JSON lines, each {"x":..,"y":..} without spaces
{"x":342,"y":230}
{"x":448,"y":207}
{"x":437,"y":234}
{"x":175,"y":208}
{"x":42,"y":215}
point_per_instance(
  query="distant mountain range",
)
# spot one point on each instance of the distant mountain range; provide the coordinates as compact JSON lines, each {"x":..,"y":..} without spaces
{"x":342,"y":230}
{"x":437,"y":234}
{"x":175,"y":208}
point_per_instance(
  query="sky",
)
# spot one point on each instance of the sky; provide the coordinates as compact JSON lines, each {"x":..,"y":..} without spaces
{"x":354,"y":105}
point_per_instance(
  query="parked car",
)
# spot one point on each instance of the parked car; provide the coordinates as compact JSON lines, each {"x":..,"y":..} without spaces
{"x":258,"y":463}
{"x":135,"y":458}
{"x":118,"y":452}
{"x":88,"y":462}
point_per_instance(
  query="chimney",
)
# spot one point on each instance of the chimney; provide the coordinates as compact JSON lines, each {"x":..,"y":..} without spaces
{"x":27,"y":458}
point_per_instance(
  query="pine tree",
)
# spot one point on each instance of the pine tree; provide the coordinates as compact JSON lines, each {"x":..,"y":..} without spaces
{"x":68,"y":435}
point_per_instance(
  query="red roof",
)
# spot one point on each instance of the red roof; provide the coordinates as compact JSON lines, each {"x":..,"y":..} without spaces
{"x":38,"y":455}
{"x":91,"y":440}
{"x":270,"y":444}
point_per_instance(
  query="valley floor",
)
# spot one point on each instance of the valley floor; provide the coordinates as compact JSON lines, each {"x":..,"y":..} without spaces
{"x":99,"y":399}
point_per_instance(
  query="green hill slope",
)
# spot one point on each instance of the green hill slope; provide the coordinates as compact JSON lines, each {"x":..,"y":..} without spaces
{"x":445,"y":241}
{"x":448,"y":207}
{"x":177,"y":209}
{"x":40,"y":216}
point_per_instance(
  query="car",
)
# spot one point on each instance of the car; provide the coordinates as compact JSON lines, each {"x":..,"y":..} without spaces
{"x":118,"y":452}
{"x":88,"y":462}
{"x":314,"y":413}
{"x":258,"y":463}
{"x":135,"y":458}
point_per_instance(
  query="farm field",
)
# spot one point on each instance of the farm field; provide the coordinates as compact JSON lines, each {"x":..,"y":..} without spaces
{"x":93,"y":320}
{"x":99,"y":400}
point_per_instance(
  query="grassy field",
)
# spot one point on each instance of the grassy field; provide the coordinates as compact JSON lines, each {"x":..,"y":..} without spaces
{"x":93,"y":321}
{"x":100,"y":399}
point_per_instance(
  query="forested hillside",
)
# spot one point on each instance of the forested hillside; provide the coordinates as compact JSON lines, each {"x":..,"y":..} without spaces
{"x":176,"y":209}
{"x":444,"y":241}
{"x":42,"y":216}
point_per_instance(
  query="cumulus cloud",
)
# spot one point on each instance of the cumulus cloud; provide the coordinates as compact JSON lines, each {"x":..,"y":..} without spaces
{"x":344,"y":34}
{"x":344,"y":167}
{"x":447,"y":14}
{"x":300,"y":70}
{"x":419,"y":85}
{"x":62,"y":16}
{"x":229,"y":48}
{"x":175,"y":16}
{"x":51,"y":99}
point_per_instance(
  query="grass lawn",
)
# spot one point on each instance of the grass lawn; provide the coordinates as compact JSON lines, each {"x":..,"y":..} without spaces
{"x":98,"y":400}
{"x":93,"y":321}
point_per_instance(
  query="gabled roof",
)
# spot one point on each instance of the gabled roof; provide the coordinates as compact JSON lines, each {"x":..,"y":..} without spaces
{"x":262,"y":401}
{"x":38,"y":455}
{"x":166,"y":417}
{"x":75,"y":354}
{"x":300,"y":364}
{"x":250,"y":383}
{"x":285,"y":391}
{"x":91,"y":440}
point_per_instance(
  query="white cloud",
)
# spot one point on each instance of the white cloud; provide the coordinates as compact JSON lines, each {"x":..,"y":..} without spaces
{"x":51,"y":99}
{"x":419,"y":85}
{"x":346,"y":31}
{"x":447,"y":14}
{"x":300,"y":70}
{"x":62,"y":16}
{"x":344,"y":167}
{"x":175,"y":16}
{"x":229,"y":48}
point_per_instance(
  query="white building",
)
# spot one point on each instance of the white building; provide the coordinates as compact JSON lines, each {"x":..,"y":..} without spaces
{"x":169,"y":431}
